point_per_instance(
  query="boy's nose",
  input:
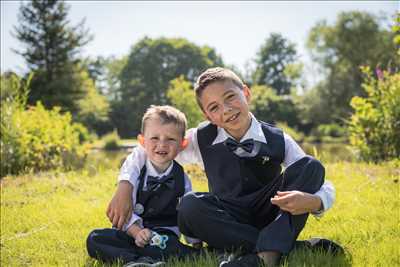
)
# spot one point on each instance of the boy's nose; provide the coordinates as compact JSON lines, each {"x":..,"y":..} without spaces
{"x":162,"y":142}
{"x":227,"y":108}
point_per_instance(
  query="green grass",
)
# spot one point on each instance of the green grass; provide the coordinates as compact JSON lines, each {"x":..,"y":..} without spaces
{"x":46,"y":217}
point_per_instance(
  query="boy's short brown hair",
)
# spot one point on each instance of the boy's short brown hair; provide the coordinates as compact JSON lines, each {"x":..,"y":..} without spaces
{"x":166,"y":114}
{"x":212,"y":75}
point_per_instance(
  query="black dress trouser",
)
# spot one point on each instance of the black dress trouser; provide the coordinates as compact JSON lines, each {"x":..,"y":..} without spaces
{"x":203,"y":216}
{"x":110,"y":244}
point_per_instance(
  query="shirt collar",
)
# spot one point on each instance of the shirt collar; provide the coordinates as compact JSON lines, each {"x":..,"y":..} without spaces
{"x":151,"y":171}
{"x":255,"y":132}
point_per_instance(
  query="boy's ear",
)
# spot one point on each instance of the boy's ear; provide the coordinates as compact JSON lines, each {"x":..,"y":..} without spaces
{"x":247,"y":93}
{"x":185,"y":143}
{"x":140,"y":138}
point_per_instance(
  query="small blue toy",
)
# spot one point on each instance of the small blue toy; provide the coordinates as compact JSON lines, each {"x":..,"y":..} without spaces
{"x":158,"y":240}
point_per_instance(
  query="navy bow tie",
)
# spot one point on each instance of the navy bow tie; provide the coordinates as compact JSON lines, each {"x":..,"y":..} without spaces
{"x":247,"y":145}
{"x":153,"y":182}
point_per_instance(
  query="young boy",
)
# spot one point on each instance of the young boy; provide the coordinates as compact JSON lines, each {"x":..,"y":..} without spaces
{"x":156,"y":192}
{"x":252,"y":205}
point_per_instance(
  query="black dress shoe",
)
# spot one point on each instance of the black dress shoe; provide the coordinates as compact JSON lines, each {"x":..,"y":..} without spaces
{"x":320,"y":244}
{"x":249,"y":260}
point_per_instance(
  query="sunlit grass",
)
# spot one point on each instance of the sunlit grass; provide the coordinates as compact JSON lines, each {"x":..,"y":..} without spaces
{"x":45,"y":218}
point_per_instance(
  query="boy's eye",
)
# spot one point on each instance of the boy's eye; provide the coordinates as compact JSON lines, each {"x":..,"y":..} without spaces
{"x":154,"y":138}
{"x":229,"y":97}
{"x":214,"y":108}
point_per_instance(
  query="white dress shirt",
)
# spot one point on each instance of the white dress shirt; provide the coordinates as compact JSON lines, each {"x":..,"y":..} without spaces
{"x":293,"y":153}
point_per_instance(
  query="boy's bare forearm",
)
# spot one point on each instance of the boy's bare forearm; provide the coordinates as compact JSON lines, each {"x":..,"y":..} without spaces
{"x":120,"y":206}
{"x":297,"y":202}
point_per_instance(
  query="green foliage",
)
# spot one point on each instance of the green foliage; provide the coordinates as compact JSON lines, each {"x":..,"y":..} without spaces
{"x":50,"y":49}
{"x":354,"y":40}
{"x":105,"y":72}
{"x":375,"y":124}
{"x":328,"y":133}
{"x":111,"y":141}
{"x":181,"y":95}
{"x":145,"y":79}
{"x":93,"y":108}
{"x":396,"y":30}
{"x":271,"y":61}
{"x":333,"y":130}
{"x":296,"y":135}
{"x":267,"y":106}
{"x":312,"y":109}
{"x":36,"y":139}
{"x":44,"y":140}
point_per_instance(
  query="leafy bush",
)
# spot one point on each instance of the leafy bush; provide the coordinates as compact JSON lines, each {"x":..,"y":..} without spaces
{"x":375,"y":124}
{"x":333,"y":130}
{"x":36,"y":139}
{"x":111,"y":141}
{"x":328,"y":133}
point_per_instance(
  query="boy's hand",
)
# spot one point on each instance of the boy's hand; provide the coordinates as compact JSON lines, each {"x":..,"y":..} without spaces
{"x":297,"y":202}
{"x":143,"y":237}
{"x":120,"y":207}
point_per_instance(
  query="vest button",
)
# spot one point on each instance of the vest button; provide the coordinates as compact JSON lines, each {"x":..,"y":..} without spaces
{"x":246,"y":179}
{"x":151,"y":210}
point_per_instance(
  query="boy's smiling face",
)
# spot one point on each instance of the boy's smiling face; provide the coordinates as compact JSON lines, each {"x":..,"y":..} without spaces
{"x":162,"y":142}
{"x":226,"y":105}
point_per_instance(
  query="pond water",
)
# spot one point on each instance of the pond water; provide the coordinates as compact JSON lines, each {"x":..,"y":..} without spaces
{"x":327,"y":153}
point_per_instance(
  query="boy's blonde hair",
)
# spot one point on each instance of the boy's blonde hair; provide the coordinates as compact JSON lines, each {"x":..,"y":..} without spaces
{"x":213,"y":75}
{"x":166,"y":114}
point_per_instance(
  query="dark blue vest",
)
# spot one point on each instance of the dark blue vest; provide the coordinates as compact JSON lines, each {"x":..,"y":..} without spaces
{"x":160,"y":204}
{"x":241,"y":183}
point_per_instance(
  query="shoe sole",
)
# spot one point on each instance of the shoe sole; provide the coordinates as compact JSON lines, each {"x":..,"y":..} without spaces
{"x":142,"y":264}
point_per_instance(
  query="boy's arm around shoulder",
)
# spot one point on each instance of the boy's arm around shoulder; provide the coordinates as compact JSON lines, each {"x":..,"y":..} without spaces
{"x":119,"y":209}
{"x":191,"y":154}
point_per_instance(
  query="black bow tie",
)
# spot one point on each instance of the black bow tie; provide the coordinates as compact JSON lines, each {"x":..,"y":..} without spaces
{"x":153,"y":182}
{"x":247,"y":145}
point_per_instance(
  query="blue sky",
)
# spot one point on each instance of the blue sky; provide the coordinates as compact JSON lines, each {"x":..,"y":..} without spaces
{"x":235,"y":29}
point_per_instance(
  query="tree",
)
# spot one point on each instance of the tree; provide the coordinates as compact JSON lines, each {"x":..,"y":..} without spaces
{"x":271,"y":61}
{"x":151,"y":65}
{"x":51,"y":49}
{"x":356,"y":39}
{"x":105,"y":72}
{"x":93,"y":108}
{"x":182,"y":96}
{"x":267,"y":106}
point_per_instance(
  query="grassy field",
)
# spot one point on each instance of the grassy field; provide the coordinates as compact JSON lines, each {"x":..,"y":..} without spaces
{"x":46,"y":217}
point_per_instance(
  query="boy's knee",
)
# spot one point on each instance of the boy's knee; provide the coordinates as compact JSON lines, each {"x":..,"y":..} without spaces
{"x":91,"y":243}
{"x":317,"y":169}
{"x":188,"y":204}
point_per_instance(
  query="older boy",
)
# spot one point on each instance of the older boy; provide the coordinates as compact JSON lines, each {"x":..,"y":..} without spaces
{"x":157,"y":189}
{"x":252,"y":205}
